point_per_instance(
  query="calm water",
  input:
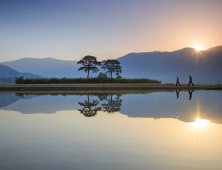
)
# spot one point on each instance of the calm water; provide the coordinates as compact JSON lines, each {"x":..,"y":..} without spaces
{"x":161,"y":131}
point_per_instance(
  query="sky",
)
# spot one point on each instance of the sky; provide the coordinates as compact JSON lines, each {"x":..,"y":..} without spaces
{"x":106,"y":29}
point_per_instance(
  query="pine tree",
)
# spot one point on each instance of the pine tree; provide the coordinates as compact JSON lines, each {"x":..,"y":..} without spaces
{"x":89,"y":63}
{"x":112,"y":66}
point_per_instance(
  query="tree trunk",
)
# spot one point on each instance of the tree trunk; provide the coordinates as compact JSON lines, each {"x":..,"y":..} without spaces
{"x":111,"y":74}
{"x":88,"y":74}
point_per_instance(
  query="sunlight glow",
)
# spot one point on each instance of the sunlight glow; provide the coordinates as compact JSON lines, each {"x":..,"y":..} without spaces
{"x":200,"y":123}
{"x":198,"y":48}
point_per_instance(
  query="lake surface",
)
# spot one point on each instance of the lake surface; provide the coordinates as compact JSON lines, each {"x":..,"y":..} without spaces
{"x":158,"y":130}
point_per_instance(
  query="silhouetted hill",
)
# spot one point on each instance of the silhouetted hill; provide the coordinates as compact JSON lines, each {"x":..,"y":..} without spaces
{"x":204,"y":66}
{"x":47,"y":67}
{"x":7,"y":72}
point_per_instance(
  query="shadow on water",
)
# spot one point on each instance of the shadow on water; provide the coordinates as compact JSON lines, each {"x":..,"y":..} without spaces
{"x":204,"y":104}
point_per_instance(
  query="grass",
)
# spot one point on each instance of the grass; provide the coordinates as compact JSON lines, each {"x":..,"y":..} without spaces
{"x":212,"y":87}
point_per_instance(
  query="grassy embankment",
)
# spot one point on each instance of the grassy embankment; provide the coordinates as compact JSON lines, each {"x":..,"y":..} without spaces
{"x":95,"y":84}
{"x":212,"y":87}
{"x":64,"y":93}
{"x":96,"y":80}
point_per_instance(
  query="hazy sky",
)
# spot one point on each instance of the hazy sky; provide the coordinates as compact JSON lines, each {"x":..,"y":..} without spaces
{"x":72,"y":29}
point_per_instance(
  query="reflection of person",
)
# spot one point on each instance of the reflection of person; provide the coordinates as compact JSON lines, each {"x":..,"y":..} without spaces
{"x":190,"y":81}
{"x":177,"y":93}
{"x":177,"y":82}
{"x":190,"y":94}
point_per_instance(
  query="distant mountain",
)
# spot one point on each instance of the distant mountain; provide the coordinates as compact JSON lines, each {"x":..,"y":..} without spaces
{"x":47,"y":67}
{"x":7,"y":72}
{"x":204,"y":66}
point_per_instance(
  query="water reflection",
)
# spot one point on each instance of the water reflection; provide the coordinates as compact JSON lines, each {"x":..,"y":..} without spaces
{"x":200,"y":124}
{"x":109,"y":105}
{"x":128,"y":139}
{"x":189,"y":91}
{"x":112,"y":105}
{"x":204,"y":105}
{"x":177,"y":93}
{"x":190,"y":94}
{"x":89,"y":108}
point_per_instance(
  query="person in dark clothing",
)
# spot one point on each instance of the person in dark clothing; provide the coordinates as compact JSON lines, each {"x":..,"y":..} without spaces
{"x":190,"y":81}
{"x":190,"y":94}
{"x":177,"y":93}
{"x":177,"y":82}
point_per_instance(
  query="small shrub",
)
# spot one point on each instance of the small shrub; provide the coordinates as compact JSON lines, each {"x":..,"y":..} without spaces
{"x":19,"y":80}
{"x":102,"y":76}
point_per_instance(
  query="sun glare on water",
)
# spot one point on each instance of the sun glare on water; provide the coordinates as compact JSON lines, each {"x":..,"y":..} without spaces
{"x":198,"y":48}
{"x":200,"y":123}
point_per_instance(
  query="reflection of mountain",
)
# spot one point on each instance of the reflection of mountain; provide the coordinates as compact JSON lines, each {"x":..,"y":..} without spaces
{"x":206,"y":104}
{"x":40,"y":104}
{"x":9,"y":98}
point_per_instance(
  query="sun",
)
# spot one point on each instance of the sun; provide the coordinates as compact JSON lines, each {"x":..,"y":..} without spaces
{"x":198,"y":48}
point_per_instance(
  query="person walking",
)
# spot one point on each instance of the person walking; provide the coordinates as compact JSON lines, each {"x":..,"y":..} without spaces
{"x":177,"y":82}
{"x":190,"y":81}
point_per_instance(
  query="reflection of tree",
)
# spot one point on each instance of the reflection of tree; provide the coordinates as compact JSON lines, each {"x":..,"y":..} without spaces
{"x":102,"y":96}
{"x":19,"y":95}
{"x":112,"y":105}
{"x":89,"y":108}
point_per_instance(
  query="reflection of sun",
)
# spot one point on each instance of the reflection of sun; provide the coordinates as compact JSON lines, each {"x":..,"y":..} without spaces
{"x":198,"y":48}
{"x":200,"y":123}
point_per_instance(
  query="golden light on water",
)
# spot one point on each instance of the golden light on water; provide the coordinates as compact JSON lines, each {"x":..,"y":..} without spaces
{"x":200,"y":124}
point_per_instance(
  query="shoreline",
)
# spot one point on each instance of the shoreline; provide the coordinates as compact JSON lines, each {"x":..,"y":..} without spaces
{"x":98,"y":88}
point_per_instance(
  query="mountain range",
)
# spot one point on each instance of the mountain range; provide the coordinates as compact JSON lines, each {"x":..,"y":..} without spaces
{"x":46,"y":67}
{"x":204,"y":66}
{"x":7,"y":74}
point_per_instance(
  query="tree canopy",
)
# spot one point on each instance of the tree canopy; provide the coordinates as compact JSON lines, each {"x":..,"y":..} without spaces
{"x":89,"y":64}
{"x":112,"y":66}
